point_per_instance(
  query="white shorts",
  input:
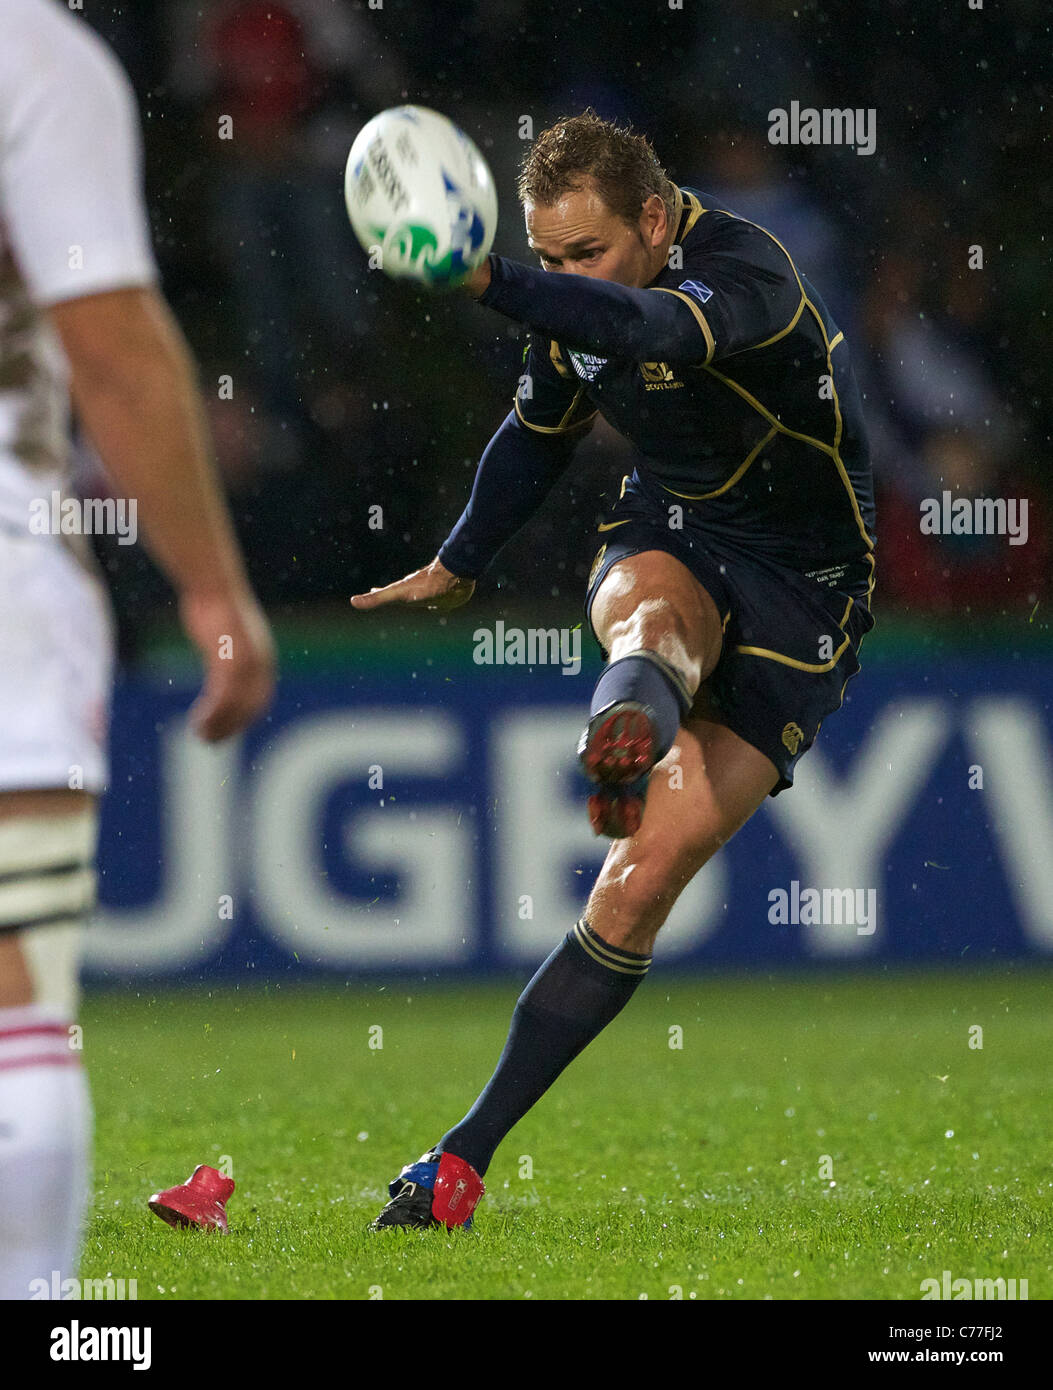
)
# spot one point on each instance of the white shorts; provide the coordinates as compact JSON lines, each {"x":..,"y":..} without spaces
{"x":56,"y":667}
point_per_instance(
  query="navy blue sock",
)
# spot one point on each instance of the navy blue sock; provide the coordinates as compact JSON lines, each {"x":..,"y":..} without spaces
{"x":577,"y":991}
{"x":649,"y":680}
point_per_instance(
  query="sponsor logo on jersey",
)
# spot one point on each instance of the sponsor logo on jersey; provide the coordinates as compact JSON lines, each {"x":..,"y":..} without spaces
{"x":658,"y":376}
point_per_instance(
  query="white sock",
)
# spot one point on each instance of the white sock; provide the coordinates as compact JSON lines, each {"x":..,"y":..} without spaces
{"x":45,"y":1136}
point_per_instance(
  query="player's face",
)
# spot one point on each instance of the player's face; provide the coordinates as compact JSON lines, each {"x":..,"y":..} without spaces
{"x":580,"y":235}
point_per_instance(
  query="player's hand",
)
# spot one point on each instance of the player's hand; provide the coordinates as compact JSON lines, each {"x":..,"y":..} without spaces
{"x":479,"y":281}
{"x":232,"y":635}
{"x":433,"y":587}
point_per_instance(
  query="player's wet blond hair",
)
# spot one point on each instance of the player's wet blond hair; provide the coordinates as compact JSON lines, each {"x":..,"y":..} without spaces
{"x":622,"y":165}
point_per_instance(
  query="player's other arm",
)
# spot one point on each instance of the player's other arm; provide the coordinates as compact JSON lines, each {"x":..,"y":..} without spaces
{"x":518,"y":470}
{"x":134,"y":386}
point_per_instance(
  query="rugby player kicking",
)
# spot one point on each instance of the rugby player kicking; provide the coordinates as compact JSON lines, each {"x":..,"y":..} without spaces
{"x":732,"y":589}
{"x":80,"y":309}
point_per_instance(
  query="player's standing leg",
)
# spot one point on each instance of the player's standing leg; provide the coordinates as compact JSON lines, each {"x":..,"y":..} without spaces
{"x":649,"y":606}
{"x":47,"y":846}
{"x":56,"y":640}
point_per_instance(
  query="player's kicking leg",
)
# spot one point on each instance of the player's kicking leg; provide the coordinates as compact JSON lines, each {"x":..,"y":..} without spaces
{"x":649,"y":606}
{"x":663,"y":633}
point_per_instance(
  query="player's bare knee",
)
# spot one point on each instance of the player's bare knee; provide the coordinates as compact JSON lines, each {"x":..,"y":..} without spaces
{"x":16,"y":983}
{"x":632,"y":920}
{"x":47,"y":886}
{"x":639,"y":885}
{"x":657,"y":625}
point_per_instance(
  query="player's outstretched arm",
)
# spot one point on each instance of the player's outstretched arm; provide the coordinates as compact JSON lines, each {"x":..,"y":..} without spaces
{"x":748,"y":286}
{"x":596,"y":315}
{"x":516,"y":473}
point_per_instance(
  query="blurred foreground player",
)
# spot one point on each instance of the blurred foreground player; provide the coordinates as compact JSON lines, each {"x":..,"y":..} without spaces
{"x":732,"y":589}
{"x":80,"y":310}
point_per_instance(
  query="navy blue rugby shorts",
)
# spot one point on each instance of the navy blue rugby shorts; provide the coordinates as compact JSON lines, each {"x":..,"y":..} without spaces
{"x":791,"y":643}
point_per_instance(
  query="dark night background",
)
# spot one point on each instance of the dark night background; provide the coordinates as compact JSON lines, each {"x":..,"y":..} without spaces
{"x":350,"y":390}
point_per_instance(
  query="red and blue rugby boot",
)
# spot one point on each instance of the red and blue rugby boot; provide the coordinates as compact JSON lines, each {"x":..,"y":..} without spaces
{"x":618,"y":750}
{"x":437,"y":1190}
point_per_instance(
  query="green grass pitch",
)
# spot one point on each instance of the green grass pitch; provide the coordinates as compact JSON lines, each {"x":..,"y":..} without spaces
{"x":701,"y":1171}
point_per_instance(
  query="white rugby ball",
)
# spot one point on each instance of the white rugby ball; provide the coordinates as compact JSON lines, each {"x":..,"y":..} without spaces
{"x":420,"y":196}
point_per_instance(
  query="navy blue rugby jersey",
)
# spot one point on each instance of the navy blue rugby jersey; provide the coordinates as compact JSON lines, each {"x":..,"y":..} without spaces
{"x":728,"y":375}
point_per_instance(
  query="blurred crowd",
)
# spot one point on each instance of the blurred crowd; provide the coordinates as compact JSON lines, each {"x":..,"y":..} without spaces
{"x":348,"y":391}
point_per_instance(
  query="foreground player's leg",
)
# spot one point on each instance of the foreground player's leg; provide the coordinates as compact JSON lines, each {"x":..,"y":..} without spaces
{"x":663,"y":633}
{"x":592,"y":975}
{"x":47,"y":846}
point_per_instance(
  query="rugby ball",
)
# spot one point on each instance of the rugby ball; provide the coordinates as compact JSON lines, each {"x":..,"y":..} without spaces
{"x":420,"y":197}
